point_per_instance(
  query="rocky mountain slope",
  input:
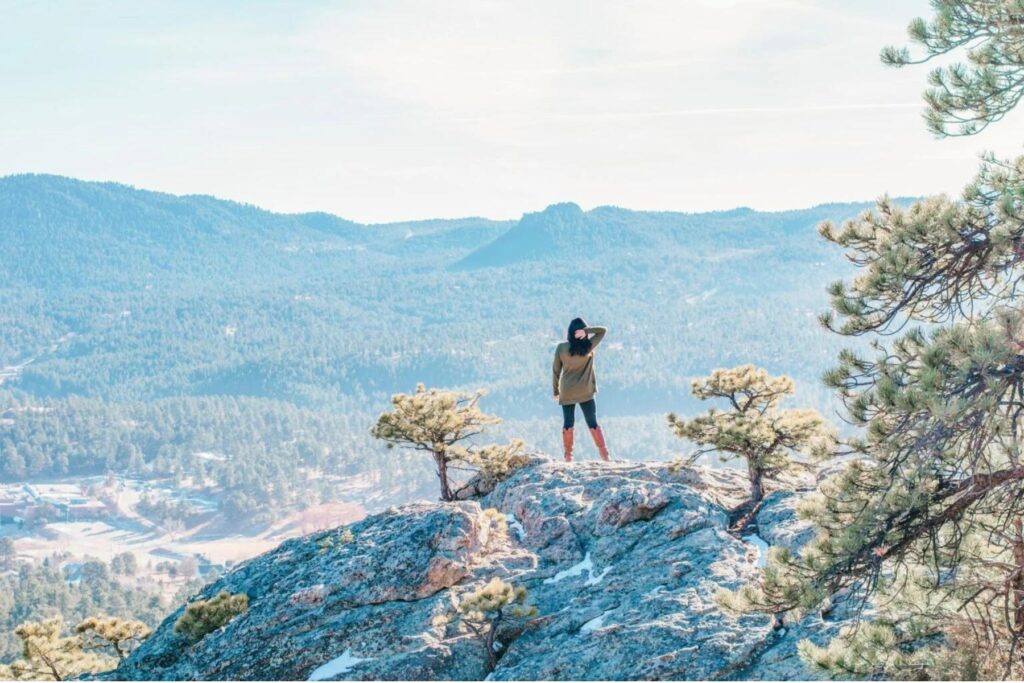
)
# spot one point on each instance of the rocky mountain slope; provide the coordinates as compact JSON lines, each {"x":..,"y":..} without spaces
{"x":621,"y":560}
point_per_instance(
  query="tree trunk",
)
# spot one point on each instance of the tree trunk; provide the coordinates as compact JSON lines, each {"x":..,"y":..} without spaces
{"x":442,"y":475}
{"x":1017,"y":578}
{"x":756,"y":484}
{"x":492,"y":658}
{"x":741,"y":516}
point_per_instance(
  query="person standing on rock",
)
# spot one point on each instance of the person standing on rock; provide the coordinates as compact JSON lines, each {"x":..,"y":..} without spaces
{"x":574,"y":382}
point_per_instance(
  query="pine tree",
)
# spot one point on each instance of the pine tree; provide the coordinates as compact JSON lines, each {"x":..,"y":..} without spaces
{"x":206,"y":616}
{"x":926,"y":523}
{"x":753,"y":427}
{"x":125,"y":563}
{"x":438,"y":422}
{"x":8,"y":552}
{"x":97,"y":645}
{"x":105,"y":634}
{"x":965,"y":98}
{"x":485,"y":609}
{"x":188,"y":567}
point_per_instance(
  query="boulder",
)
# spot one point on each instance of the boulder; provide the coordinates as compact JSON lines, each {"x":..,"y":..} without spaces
{"x":622,"y":561}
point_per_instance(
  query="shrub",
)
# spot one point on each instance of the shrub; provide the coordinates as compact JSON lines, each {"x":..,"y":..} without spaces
{"x":482,"y":612}
{"x":205,"y":616}
{"x":436,"y":421}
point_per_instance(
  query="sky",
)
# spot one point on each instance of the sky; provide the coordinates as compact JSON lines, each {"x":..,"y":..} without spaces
{"x":386,"y":110}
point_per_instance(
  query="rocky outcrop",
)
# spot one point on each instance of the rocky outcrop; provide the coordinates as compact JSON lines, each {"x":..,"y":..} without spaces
{"x":621,"y":560}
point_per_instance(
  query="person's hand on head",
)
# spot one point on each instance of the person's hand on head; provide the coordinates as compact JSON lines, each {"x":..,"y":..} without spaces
{"x":580,"y":334}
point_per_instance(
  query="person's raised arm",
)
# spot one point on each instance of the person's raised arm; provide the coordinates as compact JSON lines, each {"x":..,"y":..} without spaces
{"x":556,"y":372}
{"x":596,"y":333}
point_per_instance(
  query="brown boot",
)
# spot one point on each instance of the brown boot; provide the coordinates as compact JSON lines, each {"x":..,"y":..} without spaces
{"x":567,"y":435}
{"x":599,"y":442}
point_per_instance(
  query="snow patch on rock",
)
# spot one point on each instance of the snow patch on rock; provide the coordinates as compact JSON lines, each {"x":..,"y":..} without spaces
{"x":595,"y":623}
{"x":761,"y":546}
{"x":584,"y":565}
{"x":594,"y":580}
{"x":337,"y":666}
{"x":515,"y":525}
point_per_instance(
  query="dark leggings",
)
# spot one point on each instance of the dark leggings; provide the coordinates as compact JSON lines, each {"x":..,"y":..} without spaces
{"x":589,"y":414}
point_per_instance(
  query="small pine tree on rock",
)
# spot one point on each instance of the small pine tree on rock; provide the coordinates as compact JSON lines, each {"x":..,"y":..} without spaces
{"x":206,"y":616}
{"x":335,"y":540}
{"x":494,"y":528}
{"x":482,"y":611}
{"x":112,"y":634}
{"x":753,"y":427}
{"x":438,"y":422}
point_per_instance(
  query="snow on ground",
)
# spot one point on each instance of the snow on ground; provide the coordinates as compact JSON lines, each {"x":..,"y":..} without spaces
{"x":516,"y":526}
{"x":585,"y":565}
{"x":127,"y":531}
{"x":595,"y":623}
{"x":762,"y":548}
{"x":336,"y":666}
{"x":594,"y":580}
{"x":654,"y":591}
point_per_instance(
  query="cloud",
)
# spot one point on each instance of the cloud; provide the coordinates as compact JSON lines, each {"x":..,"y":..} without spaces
{"x":496,"y":58}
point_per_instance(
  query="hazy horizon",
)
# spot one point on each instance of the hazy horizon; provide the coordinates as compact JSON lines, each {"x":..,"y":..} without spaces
{"x":454,"y":217}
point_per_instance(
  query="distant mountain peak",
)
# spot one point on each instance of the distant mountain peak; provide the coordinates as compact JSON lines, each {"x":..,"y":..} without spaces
{"x":563,"y":209}
{"x":537,"y":235}
{"x":556,"y":216}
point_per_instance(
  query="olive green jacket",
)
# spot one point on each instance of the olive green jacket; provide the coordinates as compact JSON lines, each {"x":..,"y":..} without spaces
{"x":572,"y":377}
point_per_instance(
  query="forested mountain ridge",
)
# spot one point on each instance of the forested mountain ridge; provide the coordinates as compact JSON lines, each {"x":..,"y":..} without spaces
{"x":115,"y":299}
{"x":564,"y":232}
{"x":99,"y":226}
